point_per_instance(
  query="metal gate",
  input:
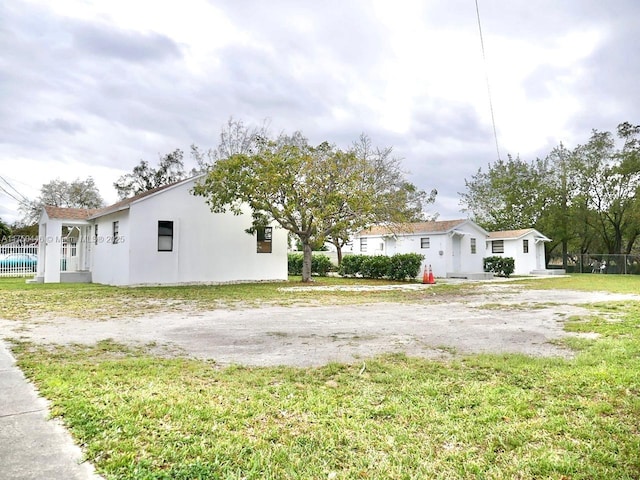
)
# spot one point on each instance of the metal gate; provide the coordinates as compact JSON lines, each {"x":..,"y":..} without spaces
{"x":18,"y":258}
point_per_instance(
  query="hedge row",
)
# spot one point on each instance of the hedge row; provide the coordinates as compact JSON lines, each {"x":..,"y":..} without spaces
{"x":500,"y":266}
{"x":320,"y":264}
{"x":398,"y":267}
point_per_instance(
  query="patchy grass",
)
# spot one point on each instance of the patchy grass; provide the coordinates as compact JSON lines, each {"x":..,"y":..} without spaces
{"x":484,"y":416}
{"x":21,"y":300}
{"x":586,"y":282}
{"x":139,"y":416}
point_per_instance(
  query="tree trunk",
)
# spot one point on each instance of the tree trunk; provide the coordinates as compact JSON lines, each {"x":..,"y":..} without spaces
{"x":339,"y":252}
{"x":306,"y":260}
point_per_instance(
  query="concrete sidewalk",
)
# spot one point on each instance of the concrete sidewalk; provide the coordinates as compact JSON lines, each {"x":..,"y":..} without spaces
{"x":32,"y":447}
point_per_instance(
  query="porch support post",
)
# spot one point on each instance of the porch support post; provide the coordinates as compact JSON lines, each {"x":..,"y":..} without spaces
{"x":53,"y":246}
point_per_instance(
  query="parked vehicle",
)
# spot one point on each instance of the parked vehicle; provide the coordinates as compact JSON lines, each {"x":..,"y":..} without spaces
{"x":18,"y":262}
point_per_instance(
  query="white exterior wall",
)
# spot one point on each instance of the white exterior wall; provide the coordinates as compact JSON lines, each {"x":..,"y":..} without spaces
{"x":207,"y":247}
{"x":50,"y":233}
{"x":445,"y":254}
{"x":110,"y":263}
{"x":525,"y":263}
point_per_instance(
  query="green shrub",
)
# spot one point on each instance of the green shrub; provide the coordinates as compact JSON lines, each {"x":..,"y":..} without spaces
{"x":320,"y":264}
{"x":500,"y":266}
{"x":351,"y":265}
{"x":294,"y":263}
{"x":375,"y":266}
{"x":404,"y":266}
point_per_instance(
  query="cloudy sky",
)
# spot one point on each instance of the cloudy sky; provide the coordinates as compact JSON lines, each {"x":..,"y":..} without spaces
{"x":89,"y":88}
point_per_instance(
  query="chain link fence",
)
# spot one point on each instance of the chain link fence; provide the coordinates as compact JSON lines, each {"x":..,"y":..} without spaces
{"x":599,"y":263}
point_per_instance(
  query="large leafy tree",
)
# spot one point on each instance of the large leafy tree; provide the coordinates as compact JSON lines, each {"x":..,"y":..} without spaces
{"x":510,"y":194}
{"x":608,"y":184}
{"x":236,"y":138}
{"x":311,"y":191}
{"x":145,"y":177}
{"x":586,"y":199}
{"x":60,"y":193}
{"x":397,"y":200}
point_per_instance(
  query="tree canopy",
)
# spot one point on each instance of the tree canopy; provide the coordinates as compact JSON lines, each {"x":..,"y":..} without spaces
{"x":144,"y":177}
{"x":60,"y":193}
{"x":586,"y":199}
{"x":315,"y":192}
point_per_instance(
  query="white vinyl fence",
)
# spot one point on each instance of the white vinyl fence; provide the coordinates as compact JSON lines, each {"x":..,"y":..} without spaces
{"x":18,"y":259}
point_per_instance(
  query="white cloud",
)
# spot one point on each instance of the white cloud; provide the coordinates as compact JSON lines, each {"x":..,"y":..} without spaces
{"x":91,"y":88}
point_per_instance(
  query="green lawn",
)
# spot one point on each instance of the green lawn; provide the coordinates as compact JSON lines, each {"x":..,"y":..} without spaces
{"x":480,"y":416}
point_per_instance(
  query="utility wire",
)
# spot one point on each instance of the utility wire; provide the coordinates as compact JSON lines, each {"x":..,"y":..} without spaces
{"x":9,"y":194}
{"x":24,"y":199}
{"x":486,"y":74}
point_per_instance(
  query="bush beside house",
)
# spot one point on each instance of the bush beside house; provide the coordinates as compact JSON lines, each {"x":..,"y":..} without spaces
{"x":320,"y":264}
{"x":397,"y":267}
{"x":500,"y":266}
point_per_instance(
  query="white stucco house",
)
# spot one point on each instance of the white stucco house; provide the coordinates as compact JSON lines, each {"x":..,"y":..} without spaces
{"x":451,"y":247}
{"x":165,"y":236}
{"x":456,"y":248}
{"x":525,"y":246}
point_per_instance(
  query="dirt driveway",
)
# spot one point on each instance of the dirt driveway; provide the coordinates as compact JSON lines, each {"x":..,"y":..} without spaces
{"x":499,"y":318}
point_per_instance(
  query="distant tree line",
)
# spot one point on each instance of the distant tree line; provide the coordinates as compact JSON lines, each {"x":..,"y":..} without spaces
{"x":587,"y":199}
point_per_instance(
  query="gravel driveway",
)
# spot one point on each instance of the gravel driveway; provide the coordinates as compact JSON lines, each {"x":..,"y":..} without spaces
{"x":500,"y":318}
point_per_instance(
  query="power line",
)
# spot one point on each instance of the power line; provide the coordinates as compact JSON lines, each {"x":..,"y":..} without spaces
{"x":486,"y":74}
{"x":9,"y":194}
{"x":24,"y":199}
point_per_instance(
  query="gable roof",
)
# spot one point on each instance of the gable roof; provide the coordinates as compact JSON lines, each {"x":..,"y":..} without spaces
{"x":515,"y":234}
{"x":126,"y":203}
{"x":92,"y":213}
{"x":64,"y":213}
{"x":442,"y":226}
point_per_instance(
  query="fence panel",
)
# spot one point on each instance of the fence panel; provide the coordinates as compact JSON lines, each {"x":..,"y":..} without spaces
{"x":601,"y":263}
{"x":18,"y":259}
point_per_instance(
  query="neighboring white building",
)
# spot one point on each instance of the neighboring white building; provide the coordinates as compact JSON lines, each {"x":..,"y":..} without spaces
{"x":451,"y":247}
{"x":165,"y":236}
{"x":456,"y":247}
{"x":525,"y":246}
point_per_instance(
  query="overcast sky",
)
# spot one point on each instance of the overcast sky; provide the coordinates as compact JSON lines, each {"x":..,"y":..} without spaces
{"x":90,"y":88}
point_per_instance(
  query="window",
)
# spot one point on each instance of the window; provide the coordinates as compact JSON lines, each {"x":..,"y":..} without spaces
{"x":425,"y":242}
{"x":264,"y":235}
{"x":165,"y":236}
{"x":363,"y":245}
{"x":525,"y":246}
{"x":473,"y":246}
{"x":116,"y":229}
{"x":95,"y":233}
{"x":497,"y":246}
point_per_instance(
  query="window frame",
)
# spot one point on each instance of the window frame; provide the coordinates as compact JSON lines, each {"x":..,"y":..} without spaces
{"x":115,"y":230}
{"x":169,"y":224}
{"x":425,"y":242}
{"x":525,"y":245}
{"x":363,"y":244}
{"x":264,"y":240}
{"x":497,"y":246}
{"x":473,"y":246}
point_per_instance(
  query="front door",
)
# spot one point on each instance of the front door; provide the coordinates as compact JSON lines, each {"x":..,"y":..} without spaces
{"x":456,"y":252}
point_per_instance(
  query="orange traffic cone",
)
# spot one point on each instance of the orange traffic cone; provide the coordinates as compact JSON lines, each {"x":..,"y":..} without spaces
{"x":431,"y":280}
{"x":425,"y":275}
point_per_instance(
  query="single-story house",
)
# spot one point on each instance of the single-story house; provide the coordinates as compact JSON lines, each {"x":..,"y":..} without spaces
{"x":525,"y":246}
{"x":455,"y":248}
{"x":450,"y":247}
{"x":164,"y":236}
